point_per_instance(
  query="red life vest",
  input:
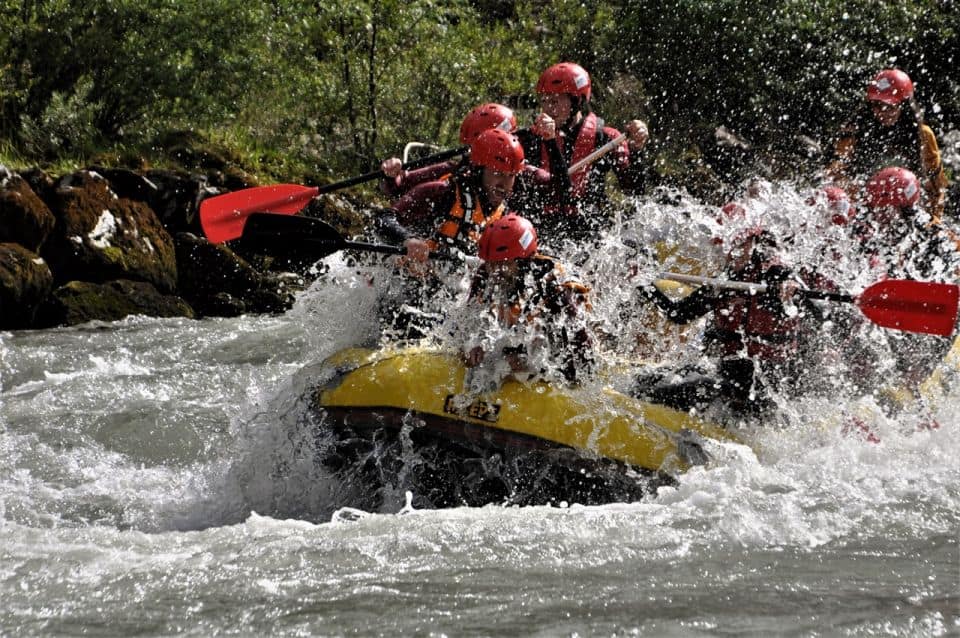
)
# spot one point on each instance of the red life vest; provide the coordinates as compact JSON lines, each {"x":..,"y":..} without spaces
{"x":585,"y":144}
{"x":745,"y":322}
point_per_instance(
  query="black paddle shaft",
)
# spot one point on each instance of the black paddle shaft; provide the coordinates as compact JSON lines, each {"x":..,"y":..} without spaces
{"x":286,"y":232}
{"x":828,"y":296}
{"x":436,"y":158}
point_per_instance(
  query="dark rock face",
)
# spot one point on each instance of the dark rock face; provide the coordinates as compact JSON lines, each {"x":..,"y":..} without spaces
{"x":100,"y":236}
{"x":339,"y":211}
{"x":24,"y":218}
{"x":41,"y":183}
{"x":128,"y":184}
{"x":25,"y":280}
{"x":82,"y":301}
{"x":216,"y":281}
{"x":177,"y":199}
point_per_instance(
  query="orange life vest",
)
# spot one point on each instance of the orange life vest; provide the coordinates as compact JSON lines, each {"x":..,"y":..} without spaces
{"x":547,"y":298}
{"x":462,"y":226}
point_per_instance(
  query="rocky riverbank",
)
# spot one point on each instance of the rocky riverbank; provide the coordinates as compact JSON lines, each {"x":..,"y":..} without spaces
{"x":104,"y":243}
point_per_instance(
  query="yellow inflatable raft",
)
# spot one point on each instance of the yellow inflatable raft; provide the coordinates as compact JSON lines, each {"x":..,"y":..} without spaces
{"x":422,"y":392}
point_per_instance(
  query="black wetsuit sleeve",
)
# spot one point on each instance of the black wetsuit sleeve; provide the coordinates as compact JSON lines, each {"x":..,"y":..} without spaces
{"x":391,"y":229}
{"x":531,"y":146}
{"x":559,"y":179}
{"x":936,"y":249}
{"x":415,"y":214}
{"x":695,"y":305}
{"x":632,"y":178}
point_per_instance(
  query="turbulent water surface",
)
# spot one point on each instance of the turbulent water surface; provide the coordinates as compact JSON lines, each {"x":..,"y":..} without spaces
{"x":156,"y":478}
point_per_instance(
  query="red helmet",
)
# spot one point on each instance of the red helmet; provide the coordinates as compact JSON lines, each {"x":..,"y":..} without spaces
{"x":732,"y":210}
{"x":891,"y":86}
{"x":566,"y":78}
{"x":893,"y":186}
{"x":838,"y":205}
{"x":510,"y":237}
{"x":486,"y":116}
{"x":497,"y":150}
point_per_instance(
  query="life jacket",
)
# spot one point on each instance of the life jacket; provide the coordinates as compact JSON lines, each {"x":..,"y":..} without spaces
{"x":906,"y":248}
{"x":754,"y":323}
{"x":463,"y":224}
{"x":869,"y":146}
{"x":583,"y":145}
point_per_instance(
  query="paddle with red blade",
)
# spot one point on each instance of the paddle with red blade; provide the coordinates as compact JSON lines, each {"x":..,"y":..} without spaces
{"x":914,"y":306}
{"x":309,"y":237}
{"x":223,"y":217}
{"x":902,"y":304}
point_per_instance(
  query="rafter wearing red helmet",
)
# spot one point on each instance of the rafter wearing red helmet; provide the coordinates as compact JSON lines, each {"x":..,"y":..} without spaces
{"x":447,"y":216}
{"x":521,"y":291}
{"x":753,"y":339}
{"x":899,"y":239}
{"x":897,"y":236}
{"x":481,"y":118}
{"x":531,"y":182}
{"x":888,"y":130}
{"x":450,"y":213}
{"x":564,"y":91}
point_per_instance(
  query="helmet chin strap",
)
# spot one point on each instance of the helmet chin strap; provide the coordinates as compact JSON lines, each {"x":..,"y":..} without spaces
{"x":476,"y":185}
{"x":576,"y":108}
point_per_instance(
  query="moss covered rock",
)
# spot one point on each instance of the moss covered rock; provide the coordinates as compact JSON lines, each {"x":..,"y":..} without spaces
{"x":25,"y":280}
{"x":218,"y":282}
{"x":24,"y":218}
{"x":82,"y":301}
{"x":348,"y":215}
{"x":100,"y":236}
{"x":178,"y":197}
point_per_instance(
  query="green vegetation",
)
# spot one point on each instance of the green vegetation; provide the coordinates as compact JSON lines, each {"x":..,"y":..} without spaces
{"x":318,"y":91}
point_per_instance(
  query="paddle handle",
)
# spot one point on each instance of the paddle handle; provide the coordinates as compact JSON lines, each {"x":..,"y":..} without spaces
{"x":374,"y":248}
{"x":712,"y":281}
{"x":436,"y":158}
{"x":597,"y":154}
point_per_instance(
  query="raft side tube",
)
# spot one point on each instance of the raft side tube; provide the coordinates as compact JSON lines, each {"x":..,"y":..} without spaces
{"x":380,"y":386}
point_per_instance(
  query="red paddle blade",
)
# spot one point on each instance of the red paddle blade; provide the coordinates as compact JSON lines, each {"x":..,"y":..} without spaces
{"x":914,"y":306}
{"x":222,"y":217}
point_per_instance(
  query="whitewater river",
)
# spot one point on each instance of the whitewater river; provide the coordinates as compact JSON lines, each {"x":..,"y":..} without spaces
{"x":153,"y":481}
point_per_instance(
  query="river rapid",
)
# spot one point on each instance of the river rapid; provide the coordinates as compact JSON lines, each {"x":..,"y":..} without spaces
{"x":156,"y":478}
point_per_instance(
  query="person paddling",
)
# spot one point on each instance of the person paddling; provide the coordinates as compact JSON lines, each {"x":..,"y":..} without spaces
{"x":398,"y":182}
{"x":898,"y":239}
{"x":450,"y":213}
{"x":524,"y":308}
{"x":753,"y":337}
{"x":897,"y":236}
{"x":445,"y":216}
{"x":564,"y":92}
{"x":889,"y":130}
{"x":532,"y":183}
